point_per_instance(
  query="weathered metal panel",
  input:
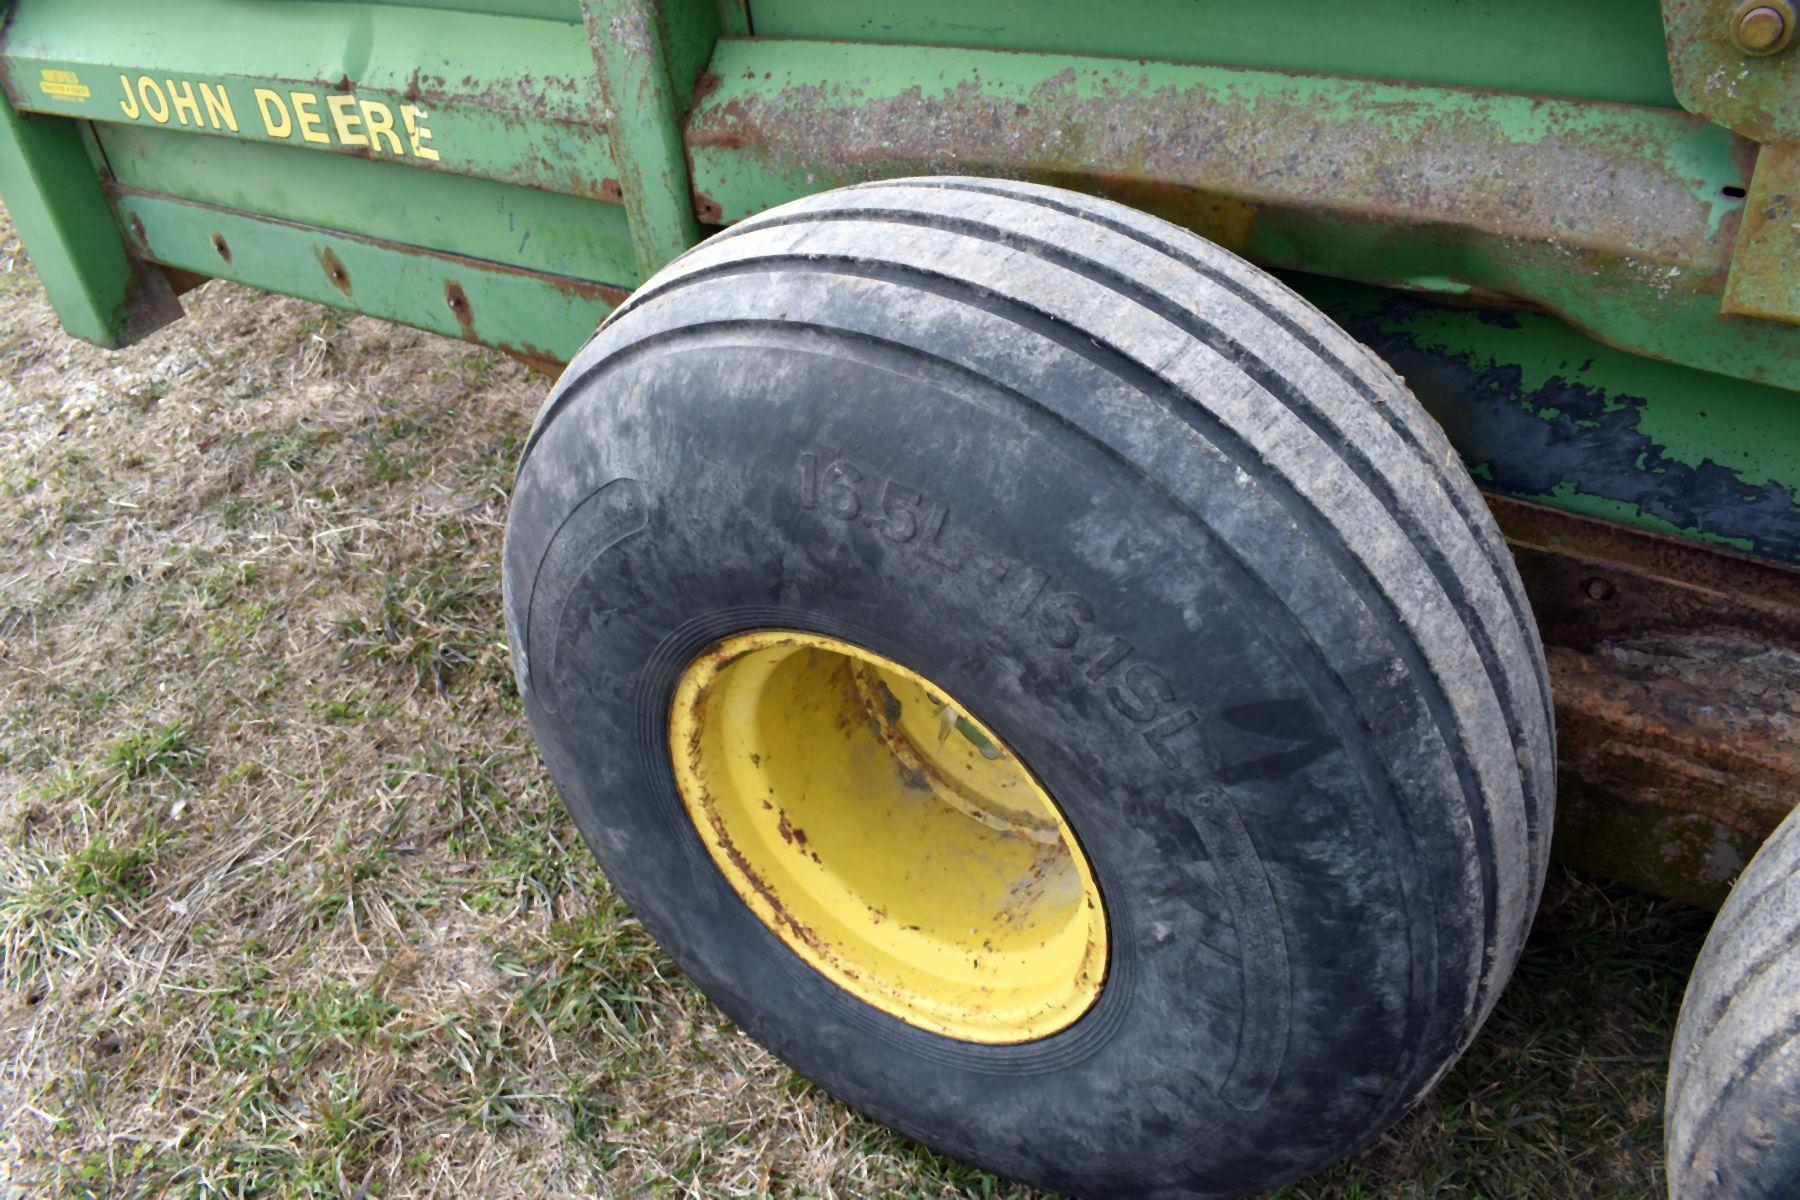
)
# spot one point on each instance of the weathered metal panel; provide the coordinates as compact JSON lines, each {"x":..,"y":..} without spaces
{"x":1594,"y":50}
{"x":1621,"y":219}
{"x":644,"y":124}
{"x":477,"y":218}
{"x":531,"y":314}
{"x":1676,"y":670}
{"x":500,"y":97}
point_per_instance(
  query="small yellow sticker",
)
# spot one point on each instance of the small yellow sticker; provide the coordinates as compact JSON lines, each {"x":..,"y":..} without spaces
{"x":63,"y":85}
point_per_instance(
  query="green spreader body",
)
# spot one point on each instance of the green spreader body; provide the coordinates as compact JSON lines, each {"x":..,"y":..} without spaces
{"x":1573,"y":228}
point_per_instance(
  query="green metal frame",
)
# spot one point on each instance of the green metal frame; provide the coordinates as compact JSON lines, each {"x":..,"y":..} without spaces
{"x":644,"y":127}
{"x":1526,"y":172}
{"x":57,"y":205}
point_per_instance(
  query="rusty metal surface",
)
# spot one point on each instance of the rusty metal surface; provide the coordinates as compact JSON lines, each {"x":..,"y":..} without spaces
{"x":1669,"y":778}
{"x":1620,"y":219}
{"x":1647,"y":582}
{"x":1676,"y":674}
{"x":1755,"y":93}
{"x":1765,"y":268}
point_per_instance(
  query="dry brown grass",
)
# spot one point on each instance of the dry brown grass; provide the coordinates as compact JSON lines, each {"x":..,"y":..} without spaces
{"x":288,"y":907}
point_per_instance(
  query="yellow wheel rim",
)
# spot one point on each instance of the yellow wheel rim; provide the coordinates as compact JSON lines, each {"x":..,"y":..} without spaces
{"x":887,"y":836}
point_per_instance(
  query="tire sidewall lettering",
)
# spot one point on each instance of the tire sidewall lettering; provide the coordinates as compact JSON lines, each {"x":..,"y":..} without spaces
{"x":1061,"y":620}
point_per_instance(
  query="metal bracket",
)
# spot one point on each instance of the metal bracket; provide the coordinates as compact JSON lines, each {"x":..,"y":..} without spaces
{"x":644,"y":124}
{"x":1719,"y":75}
{"x":1763,"y":281}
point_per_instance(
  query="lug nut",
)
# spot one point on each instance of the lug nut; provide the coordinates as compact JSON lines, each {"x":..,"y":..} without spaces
{"x":1763,"y":28}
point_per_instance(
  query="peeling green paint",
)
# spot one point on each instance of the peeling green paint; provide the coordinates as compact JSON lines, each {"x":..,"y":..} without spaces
{"x":1540,"y":412}
{"x":1569,"y":496}
{"x":1698,"y":418}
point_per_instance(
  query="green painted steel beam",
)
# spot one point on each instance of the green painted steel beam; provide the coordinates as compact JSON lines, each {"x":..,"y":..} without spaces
{"x":644,"y":114}
{"x":511,"y":98}
{"x":56,"y":203}
{"x":1620,"y":219}
{"x":533,"y":314}
{"x":1595,"y":50}
{"x":475,"y":218}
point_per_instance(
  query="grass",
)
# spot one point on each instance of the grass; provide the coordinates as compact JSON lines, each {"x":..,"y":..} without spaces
{"x":288,"y":907}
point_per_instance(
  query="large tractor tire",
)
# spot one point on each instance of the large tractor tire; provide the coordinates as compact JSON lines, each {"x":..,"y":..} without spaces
{"x":1041,"y":678}
{"x":1733,"y":1114}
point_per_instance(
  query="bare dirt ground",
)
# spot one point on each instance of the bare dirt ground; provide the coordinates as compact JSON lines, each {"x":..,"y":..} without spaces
{"x":288,"y":906}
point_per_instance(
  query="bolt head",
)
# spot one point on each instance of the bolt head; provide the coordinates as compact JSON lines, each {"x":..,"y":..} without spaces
{"x":1763,"y":28}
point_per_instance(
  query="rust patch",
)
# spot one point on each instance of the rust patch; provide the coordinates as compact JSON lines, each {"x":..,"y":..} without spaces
{"x":791,"y":833}
{"x":1717,"y":76}
{"x":458,"y":301}
{"x":221,"y":246}
{"x":611,"y":191}
{"x":580,"y":289}
{"x":1696,"y":723}
{"x":1593,"y":581}
{"x":778,"y":911}
{"x":1676,"y":757}
{"x":334,"y":268}
{"x":1676,"y":674}
{"x":536,"y":361}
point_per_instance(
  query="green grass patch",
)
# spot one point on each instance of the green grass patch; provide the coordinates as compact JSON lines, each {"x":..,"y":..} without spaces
{"x":56,"y":908}
{"x":168,"y":751}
